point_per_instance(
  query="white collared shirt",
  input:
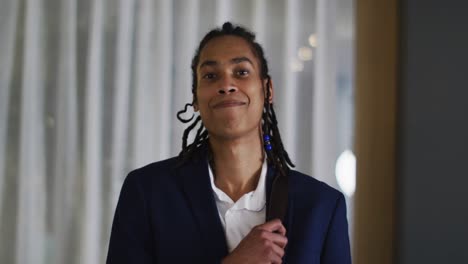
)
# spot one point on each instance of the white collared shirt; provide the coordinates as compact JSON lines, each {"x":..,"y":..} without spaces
{"x":240,"y":217}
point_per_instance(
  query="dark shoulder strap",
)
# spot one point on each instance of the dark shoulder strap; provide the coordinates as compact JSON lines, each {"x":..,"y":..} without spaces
{"x":278,"y":201}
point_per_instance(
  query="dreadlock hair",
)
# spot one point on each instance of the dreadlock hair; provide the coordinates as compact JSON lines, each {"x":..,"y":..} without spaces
{"x":277,"y":156}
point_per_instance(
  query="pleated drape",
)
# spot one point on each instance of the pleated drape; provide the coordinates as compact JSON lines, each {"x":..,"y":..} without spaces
{"x":8,"y":24}
{"x":185,"y":34}
{"x":89,"y":90}
{"x":324,"y":101}
{"x":66,"y":146}
{"x":287,"y":97}
{"x":31,"y":224}
{"x":93,"y":136}
{"x":122,"y":83}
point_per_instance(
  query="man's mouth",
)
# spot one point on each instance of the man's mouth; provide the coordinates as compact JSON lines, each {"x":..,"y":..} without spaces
{"x":228,"y":103}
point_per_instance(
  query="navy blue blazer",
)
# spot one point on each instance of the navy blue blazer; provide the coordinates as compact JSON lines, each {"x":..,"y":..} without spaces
{"x":168,"y":214}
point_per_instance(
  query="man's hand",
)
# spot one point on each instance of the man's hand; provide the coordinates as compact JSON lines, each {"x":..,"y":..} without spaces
{"x":264,"y":244}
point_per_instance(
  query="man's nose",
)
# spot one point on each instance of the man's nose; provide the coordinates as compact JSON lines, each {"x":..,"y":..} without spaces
{"x":227,"y":90}
{"x":227,"y":87}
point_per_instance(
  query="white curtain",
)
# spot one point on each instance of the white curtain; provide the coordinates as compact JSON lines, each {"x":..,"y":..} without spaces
{"x":89,"y":90}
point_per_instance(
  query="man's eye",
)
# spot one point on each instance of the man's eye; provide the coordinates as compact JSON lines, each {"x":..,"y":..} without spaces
{"x":209,"y":76}
{"x":243,"y":72}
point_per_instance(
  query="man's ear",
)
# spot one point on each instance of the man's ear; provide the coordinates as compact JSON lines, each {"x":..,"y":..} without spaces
{"x":195,"y":106}
{"x":272,"y":91}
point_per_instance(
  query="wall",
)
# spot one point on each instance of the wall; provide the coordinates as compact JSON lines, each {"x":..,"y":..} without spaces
{"x":433,"y":146}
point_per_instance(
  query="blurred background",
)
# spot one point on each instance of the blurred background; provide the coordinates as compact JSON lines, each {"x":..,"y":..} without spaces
{"x":89,"y":90}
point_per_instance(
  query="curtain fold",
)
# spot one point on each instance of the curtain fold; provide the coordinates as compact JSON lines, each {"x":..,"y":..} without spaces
{"x":185,"y":35}
{"x":93,"y":136}
{"x":324,"y":100}
{"x":144,"y":142}
{"x":66,"y":145}
{"x":259,"y":19}
{"x":8,"y":21}
{"x":163,"y":58}
{"x":89,"y":90}
{"x":288,"y":96}
{"x":31,"y":161}
{"x":222,"y":14}
{"x":121,"y":104}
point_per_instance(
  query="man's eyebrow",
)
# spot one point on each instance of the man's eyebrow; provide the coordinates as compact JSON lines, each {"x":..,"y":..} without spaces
{"x":208,"y":63}
{"x":236,"y":60}
{"x":241,"y":59}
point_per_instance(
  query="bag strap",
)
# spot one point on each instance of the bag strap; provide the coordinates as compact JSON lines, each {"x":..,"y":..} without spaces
{"x":278,"y":201}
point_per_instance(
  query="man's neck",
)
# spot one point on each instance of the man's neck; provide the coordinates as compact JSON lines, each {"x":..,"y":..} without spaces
{"x":237,"y":164}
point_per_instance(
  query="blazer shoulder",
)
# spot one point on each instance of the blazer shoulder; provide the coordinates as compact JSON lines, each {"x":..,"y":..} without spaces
{"x":166,"y":164}
{"x":155,"y":171}
{"x":320,"y":215}
{"x":305,"y":186}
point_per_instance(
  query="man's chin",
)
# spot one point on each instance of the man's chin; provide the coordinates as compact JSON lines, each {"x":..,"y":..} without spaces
{"x":233,"y":133}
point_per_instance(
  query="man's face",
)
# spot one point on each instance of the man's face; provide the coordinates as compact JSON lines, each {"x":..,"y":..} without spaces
{"x":229,"y":91}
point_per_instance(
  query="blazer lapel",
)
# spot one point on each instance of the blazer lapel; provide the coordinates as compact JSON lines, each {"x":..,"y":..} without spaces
{"x":197,"y":188}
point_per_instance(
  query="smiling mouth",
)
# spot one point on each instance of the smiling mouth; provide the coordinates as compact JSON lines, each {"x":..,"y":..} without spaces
{"x":227,"y":104}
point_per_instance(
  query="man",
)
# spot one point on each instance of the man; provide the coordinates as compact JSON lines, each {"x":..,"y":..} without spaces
{"x":230,"y":196}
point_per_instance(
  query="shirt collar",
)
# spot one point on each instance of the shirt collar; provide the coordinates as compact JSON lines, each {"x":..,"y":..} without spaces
{"x":252,"y":201}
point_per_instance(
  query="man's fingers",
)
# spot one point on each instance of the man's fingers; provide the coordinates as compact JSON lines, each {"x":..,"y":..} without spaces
{"x":278,"y":250}
{"x":276,"y":260}
{"x":275,"y":254}
{"x":281,"y":230}
{"x":263,"y":243}
{"x":277,"y":239}
{"x":274,"y":226}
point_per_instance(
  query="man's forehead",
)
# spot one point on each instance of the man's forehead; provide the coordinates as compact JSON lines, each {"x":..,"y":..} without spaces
{"x":227,"y":49}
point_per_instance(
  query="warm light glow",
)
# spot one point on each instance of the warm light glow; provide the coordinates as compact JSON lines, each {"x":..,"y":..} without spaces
{"x":313,"y":40}
{"x":345,"y":172}
{"x":305,"y":54}
{"x":296,"y":66}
